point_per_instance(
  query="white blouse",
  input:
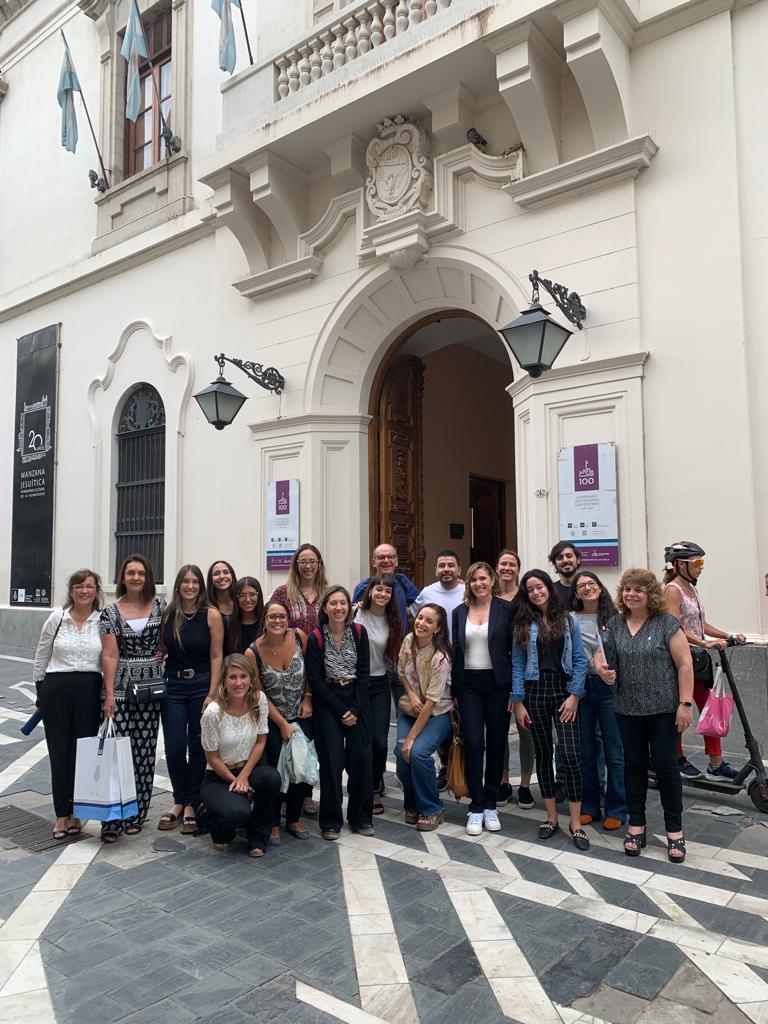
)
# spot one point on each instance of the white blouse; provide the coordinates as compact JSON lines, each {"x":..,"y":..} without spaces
{"x":71,"y":651}
{"x":232,"y":735}
{"x":476,"y":654}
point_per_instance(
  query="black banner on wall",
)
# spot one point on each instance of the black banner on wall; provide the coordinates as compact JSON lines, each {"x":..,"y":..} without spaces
{"x":34,"y":462}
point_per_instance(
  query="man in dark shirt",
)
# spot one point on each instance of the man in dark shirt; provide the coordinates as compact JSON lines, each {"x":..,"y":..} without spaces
{"x":566,"y":561}
{"x":385,"y":561}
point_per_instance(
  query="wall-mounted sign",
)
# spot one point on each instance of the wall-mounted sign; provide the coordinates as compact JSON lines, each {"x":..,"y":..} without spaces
{"x":589,"y":511}
{"x":282,"y":524}
{"x":34,"y":462}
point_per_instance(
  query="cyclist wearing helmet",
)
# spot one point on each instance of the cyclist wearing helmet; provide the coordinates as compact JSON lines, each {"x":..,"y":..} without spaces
{"x":684,"y":564}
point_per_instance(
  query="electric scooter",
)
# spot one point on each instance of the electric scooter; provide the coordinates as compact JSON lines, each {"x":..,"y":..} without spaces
{"x":757,"y":788}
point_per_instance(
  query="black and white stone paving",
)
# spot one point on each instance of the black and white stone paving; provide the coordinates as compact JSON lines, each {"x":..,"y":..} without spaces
{"x":403,"y":928}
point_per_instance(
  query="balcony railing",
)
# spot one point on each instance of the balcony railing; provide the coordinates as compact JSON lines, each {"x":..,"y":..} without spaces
{"x":363,"y":27}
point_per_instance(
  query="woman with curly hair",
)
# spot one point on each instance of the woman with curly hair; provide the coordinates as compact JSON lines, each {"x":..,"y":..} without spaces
{"x":380,"y":615}
{"x":649,"y":654}
{"x":548,"y":670}
{"x":305,"y":586}
{"x":594,"y":608}
{"x":237,"y":790}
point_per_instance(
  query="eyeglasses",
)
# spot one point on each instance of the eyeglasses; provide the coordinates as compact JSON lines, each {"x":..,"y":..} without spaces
{"x":308,"y":563}
{"x":385,"y":558}
{"x":277,"y":618}
{"x":589,"y":585}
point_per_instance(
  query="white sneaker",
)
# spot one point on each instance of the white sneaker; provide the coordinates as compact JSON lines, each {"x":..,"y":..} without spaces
{"x":475,"y":823}
{"x":491,"y":821}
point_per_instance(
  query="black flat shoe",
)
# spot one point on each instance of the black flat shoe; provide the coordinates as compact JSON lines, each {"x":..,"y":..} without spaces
{"x":580,"y":838}
{"x":547,"y":829}
{"x":633,"y":844}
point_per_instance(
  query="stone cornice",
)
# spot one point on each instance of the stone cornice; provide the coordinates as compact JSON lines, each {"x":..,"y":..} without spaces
{"x":313,"y":422}
{"x":630,"y":364}
{"x":595,"y":170}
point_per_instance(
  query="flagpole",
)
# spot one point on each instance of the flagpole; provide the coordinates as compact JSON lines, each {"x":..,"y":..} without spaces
{"x":245,"y":30}
{"x":90,"y":123}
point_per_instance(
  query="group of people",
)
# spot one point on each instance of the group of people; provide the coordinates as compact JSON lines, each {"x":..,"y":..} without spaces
{"x":612,"y":683}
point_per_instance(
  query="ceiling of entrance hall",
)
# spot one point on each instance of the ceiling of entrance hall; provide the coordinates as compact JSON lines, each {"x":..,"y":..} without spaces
{"x":457,"y":330}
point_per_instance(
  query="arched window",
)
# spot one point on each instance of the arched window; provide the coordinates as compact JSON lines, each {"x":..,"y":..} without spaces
{"x":140,"y":523}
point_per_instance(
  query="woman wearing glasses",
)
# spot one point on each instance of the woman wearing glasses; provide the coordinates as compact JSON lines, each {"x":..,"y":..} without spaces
{"x":278,"y":654}
{"x":684,"y":565}
{"x":594,"y":608}
{"x":305,"y":586}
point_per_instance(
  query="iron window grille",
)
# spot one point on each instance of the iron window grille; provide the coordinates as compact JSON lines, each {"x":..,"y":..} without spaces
{"x":140,"y":523}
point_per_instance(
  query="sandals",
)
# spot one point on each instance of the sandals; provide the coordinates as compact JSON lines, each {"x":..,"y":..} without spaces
{"x":75,"y":828}
{"x":109,"y":837}
{"x":633,"y":844}
{"x":59,"y":834}
{"x":548,"y":828}
{"x":132,"y":830}
{"x":169,"y":821}
{"x":411,"y":817}
{"x":189,"y":825}
{"x":378,"y":807}
{"x":580,"y":838}
{"x":676,"y":845}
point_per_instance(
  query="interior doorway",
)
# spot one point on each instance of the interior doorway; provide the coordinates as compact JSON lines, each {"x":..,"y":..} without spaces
{"x":487,"y":504}
{"x":441,"y":444}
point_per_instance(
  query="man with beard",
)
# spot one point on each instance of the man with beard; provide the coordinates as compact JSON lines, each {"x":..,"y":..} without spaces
{"x":566,"y":560}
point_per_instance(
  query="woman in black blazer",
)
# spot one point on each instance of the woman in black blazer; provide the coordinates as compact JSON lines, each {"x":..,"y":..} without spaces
{"x":481,"y":678}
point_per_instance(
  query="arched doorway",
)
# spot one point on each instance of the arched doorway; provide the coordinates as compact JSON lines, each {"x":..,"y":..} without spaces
{"x":441,"y":451}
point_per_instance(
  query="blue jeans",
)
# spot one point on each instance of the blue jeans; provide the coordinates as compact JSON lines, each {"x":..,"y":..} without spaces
{"x":181,"y":713}
{"x":596,"y":708}
{"x":418,"y":777}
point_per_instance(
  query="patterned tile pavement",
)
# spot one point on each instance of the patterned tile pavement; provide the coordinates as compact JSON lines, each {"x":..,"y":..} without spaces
{"x":402,"y":928}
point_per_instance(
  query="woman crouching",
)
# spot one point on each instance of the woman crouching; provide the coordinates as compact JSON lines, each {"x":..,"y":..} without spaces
{"x":237,"y":790}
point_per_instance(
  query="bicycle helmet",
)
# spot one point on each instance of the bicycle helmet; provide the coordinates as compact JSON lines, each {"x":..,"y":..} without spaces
{"x":682,"y":549}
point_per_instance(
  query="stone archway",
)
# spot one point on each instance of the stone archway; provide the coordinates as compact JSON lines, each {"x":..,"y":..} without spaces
{"x":383,"y":303}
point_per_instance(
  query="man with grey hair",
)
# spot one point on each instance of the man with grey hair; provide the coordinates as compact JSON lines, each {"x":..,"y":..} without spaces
{"x":385,"y":562}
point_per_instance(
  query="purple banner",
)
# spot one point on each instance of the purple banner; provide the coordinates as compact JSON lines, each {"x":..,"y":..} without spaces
{"x":282,"y":497}
{"x":599,"y":554}
{"x":279,"y":561}
{"x":586,"y":474}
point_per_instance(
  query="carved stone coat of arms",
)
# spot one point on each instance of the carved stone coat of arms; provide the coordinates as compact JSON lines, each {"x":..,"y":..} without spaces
{"x":399,"y":169}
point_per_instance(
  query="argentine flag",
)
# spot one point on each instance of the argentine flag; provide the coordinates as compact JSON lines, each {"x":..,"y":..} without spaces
{"x":134,"y":46}
{"x":69,"y":84}
{"x":227,"y":47}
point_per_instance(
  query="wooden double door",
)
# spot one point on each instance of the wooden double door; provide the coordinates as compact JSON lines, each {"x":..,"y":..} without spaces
{"x":396,"y":485}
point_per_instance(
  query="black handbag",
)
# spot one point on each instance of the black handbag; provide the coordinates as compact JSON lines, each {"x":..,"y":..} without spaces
{"x":703,"y":672}
{"x":137,"y":694}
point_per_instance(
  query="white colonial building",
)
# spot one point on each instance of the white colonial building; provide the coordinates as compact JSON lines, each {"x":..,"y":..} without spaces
{"x":326,"y":215}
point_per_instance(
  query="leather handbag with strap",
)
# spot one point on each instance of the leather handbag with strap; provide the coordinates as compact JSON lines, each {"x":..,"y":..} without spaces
{"x":456,"y":770}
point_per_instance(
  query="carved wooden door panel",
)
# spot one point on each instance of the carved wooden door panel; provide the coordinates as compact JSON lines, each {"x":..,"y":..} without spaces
{"x":396,"y":491}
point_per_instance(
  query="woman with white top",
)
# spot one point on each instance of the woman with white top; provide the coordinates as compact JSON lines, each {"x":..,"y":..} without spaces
{"x":67,"y":673}
{"x":237,"y":790}
{"x":481,"y":678}
{"x":130,"y":638}
{"x":380,"y":615}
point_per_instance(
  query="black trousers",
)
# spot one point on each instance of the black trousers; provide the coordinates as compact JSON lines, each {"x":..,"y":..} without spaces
{"x":484,"y":726}
{"x":543,"y":698}
{"x":639,"y":733}
{"x":340,"y":747}
{"x":297,"y":791}
{"x":70,"y":703}
{"x":231,"y":811}
{"x":380,"y":695}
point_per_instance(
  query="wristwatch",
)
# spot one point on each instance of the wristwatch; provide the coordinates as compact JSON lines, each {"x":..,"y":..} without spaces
{"x":686,"y":703}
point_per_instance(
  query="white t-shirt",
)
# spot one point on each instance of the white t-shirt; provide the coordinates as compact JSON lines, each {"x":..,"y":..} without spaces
{"x":436,"y":593}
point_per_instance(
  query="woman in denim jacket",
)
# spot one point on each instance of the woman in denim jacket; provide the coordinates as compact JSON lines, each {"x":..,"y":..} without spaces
{"x":549,"y":666}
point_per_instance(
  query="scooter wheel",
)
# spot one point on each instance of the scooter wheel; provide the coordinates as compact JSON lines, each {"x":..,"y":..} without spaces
{"x":758,"y":795}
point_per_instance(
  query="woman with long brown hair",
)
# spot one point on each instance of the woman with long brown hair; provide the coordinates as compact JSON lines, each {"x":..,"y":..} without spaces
{"x":237,"y":790}
{"x":247,"y":618}
{"x":380,"y":615}
{"x":67,"y":674}
{"x":130,"y":639}
{"x":220,"y":588}
{"x":304,"y":588}
{"x":549,"y":665}
{"x":192,"y":640}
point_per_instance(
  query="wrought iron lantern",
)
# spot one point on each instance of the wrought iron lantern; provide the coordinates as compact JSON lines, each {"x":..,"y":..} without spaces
{"x":535,"y":338}
{"x":221,"y":401}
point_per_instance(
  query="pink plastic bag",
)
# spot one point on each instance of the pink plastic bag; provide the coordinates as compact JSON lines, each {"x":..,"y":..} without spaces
{"x":715,"y":719}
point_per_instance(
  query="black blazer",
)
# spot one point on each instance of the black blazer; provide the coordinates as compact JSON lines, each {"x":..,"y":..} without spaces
{"x":500,"y":624}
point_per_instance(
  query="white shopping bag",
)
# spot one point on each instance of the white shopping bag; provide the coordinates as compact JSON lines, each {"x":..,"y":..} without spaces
{"x":105,"y":786}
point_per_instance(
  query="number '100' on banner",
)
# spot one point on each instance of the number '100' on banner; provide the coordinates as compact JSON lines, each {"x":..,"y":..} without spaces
{"x":105,"y":786}
{"x":589,"y":516}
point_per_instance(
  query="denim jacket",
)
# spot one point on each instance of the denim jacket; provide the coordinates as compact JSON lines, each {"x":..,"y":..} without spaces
{"x":525,"y":661}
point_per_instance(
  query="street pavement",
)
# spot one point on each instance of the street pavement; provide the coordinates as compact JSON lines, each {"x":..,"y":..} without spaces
{"x":405,"y":927}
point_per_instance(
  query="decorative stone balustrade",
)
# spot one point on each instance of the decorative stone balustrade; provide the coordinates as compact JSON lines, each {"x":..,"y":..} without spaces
{"x":361,"y":28}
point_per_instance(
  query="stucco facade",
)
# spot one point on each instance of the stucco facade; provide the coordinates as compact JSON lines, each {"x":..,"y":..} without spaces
{"x":626,"y":158}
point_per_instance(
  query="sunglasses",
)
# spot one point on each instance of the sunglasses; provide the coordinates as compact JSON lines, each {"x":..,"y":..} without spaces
{"x":697,"y":563}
